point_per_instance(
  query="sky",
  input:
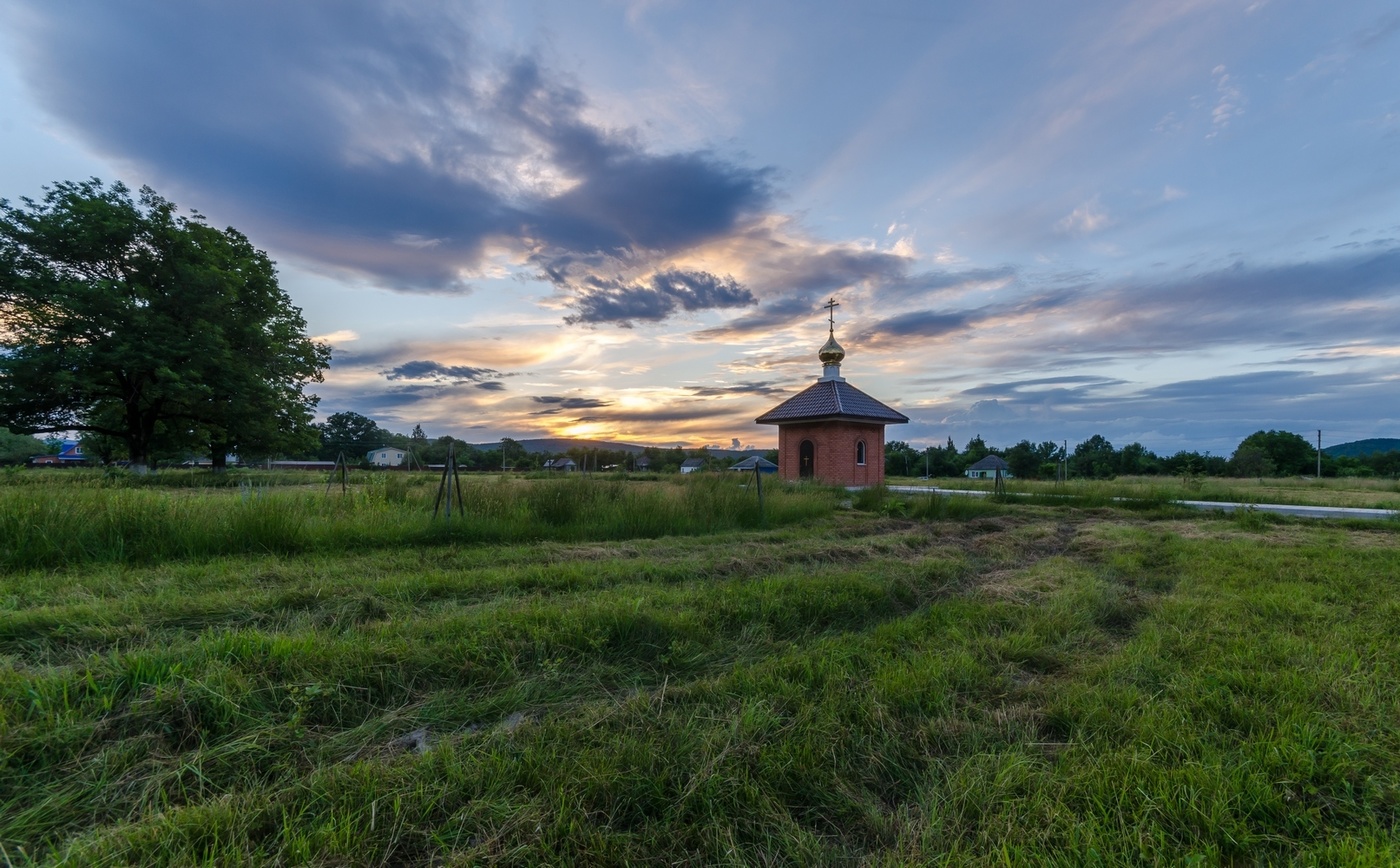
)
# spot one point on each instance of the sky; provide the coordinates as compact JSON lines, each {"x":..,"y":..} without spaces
{"x":1174,"y":222}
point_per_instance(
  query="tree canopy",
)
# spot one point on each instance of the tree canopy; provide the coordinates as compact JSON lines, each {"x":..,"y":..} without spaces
{"x":19,"y":448}
{"x":1265,"y":453}
{"x":127,"y":320}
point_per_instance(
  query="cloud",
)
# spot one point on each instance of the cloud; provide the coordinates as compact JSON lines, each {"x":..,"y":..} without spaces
{"x":743,"y":388}
{"x":380,"y":141}
{"x":1344,"y":299}
{"x":919,"y":323}
{"x":438,"y":372}
{"x":1087,"y":218}
{"x":601,"y":300}
{"x":1229,"y":101}
{"x":557,"y":404}
{"x":340,"y":336}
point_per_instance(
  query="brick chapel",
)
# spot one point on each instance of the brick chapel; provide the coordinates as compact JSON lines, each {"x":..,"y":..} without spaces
{"x":831,"y":431}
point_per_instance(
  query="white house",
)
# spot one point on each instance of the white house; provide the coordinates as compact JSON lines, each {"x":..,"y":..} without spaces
{"x":386,"y":456}
{"x":987,"y":468}
{"x":691,"y":465}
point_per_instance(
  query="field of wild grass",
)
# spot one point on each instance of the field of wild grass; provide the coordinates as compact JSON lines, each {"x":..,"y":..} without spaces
{"x":67,"y":518}
{"x":903,"y":682}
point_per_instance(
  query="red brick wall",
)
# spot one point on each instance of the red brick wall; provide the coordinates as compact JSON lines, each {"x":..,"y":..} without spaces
{"x":835,"y":444}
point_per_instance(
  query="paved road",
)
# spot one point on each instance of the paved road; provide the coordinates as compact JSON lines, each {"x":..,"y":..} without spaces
{"x":1276,"y":508}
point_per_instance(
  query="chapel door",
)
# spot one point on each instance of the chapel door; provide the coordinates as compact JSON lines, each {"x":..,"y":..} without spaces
{"x":806,"y":460}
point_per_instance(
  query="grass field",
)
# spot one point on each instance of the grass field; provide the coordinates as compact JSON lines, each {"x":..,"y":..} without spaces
{"x":1366,"y":493}
{"x":946,"y":681}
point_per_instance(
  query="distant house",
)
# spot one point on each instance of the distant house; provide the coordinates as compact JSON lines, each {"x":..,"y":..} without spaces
{"x":386,"y":456}
{"x":298,"y":465}
{"x":755,"y":461}
{"x":564,"y":465}
{"x":987,"y":468}
{"x":70,"y":453}
{"x":642,"y":463}
{"x":690,"y":465}
{"x":229,"y":461}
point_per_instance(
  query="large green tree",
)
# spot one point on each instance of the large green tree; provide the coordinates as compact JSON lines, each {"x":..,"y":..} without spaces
{"x":1094,"y":458}
{"x":352,"y":434}
{"x":1284,"y":453}
{"x":126,"y":319}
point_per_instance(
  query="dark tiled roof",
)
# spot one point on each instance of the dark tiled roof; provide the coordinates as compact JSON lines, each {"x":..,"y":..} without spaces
{"x":831,"y":399}
{"x":991,"y":462}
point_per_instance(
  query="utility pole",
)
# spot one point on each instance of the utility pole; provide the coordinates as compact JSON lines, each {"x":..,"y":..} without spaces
{"x":1319,"y":453}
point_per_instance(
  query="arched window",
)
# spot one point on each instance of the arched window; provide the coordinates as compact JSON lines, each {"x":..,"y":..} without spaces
{"x":806,"y":460}
{"x":860,"y":451}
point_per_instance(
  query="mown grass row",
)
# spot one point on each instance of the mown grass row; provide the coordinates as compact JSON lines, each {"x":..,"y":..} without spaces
{"x":1027,"y":687}
{"x":1367,"y":493}
{"x":42,"y":527}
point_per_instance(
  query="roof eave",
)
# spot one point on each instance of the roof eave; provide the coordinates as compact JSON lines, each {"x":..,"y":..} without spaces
{"x":834,"y":417}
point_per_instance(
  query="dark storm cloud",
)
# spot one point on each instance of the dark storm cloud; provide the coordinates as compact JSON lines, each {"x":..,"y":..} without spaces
{"x":826,"y":271}
{"x":374,"y":138}
{"x":600,"y":300}
{"x":492,"y":386}
{"x":556,"y":404}
{"x":1340,"y":300}
{"x":438,"y":372}
{"x":919,"y":323}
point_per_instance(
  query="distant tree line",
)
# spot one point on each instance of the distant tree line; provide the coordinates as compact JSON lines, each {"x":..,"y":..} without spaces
{"x":1263,"y":453}
{"x":356,"y":435}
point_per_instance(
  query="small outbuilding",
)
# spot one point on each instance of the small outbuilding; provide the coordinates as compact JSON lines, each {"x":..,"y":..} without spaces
{"x":755,"y":462}
{"x":987,"y":468}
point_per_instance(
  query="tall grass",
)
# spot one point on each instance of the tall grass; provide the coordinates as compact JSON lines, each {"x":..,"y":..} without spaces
{"x":76,"y":523}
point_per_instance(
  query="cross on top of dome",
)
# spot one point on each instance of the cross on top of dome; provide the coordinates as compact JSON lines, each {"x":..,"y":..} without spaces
{"x":831,"y":352}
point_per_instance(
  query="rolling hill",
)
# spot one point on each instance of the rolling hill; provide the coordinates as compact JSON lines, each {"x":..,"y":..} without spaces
{"x":555,"y":445}
{"x":1358,"y":448}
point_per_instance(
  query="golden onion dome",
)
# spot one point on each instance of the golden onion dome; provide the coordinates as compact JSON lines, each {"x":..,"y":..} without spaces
{"x":831,"y":352}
